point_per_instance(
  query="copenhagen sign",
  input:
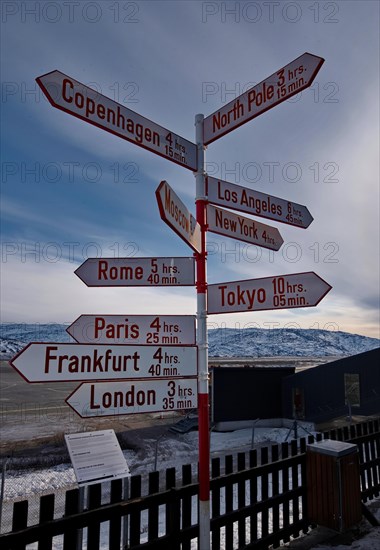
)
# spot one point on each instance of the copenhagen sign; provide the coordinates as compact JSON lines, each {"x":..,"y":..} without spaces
{"x":69,"y":95}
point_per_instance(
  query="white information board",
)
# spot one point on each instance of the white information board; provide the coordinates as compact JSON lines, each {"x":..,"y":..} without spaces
{"x":96,"y":456}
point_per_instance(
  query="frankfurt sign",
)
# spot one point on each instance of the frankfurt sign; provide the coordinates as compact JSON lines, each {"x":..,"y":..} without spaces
{"x":49,"y":362}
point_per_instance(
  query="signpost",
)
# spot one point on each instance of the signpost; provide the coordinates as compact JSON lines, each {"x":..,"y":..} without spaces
{"x":177,"y":216}
{"x":134,"y":329}
{"x":279,"y":292}
{"x":155,"y":372}
{"x":50,"y":362}
{"x":230,"y":195}
{"x":69,"y":95}
{"x":239,"y":227}
{"x":280,"y":86}
{"x":137,"y":272}
{"x":141,"y":396}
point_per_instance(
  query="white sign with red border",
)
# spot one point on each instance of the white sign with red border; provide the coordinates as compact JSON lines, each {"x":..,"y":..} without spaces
{"x":140,"y":396}
{"x":69,"y":95}
{"x":245,"y":229}
{"x":279,"y":292}
{"x":134,"y":329}
{"x":281,"y":85}
{"x":230,"y":195}
{"x":137,"y":271}
{"x":50,"y":362}
{"x":178,"y":217}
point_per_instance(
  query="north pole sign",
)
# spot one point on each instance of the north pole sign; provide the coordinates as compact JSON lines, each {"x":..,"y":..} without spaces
{"x":230,"y":195}
{"x":280,"y":292}
{"x":178,"y":217}
{"x":49,"y":362}
{"x":283,"y":84}
{"x":134,"y":329}
{"x":137,"y":271}
{"x":69,"y":95}
{"x":145,"y":396}
{"x":245,"y":229}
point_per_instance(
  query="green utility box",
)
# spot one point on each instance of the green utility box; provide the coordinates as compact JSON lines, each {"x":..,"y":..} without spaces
{"x":333,"y":484}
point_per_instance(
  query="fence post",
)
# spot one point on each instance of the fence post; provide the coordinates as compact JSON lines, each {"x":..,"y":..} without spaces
{"x":253,"y":493}
{"x":94,"y":499}
{"x":115,"y":523}
{"x":285,"y":489}
{"x":20,"y":518}
{"x":241,"y":499}
{"x":153,"y":520}
{"x":186,"y":503}
{"x":126,"y":517}
{"x":228,"y":469}
{"x":47,"y":503}
{"x":215,"y":502}
{"x":2,"y":487}
{"x":135,"y":517}
{"x":72,"y":506}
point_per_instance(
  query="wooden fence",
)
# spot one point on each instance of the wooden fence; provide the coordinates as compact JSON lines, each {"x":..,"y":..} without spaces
{"x":257,"y":499}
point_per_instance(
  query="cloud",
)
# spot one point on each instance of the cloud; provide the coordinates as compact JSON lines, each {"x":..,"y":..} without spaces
{"x":173,"y":61}
{"x":61,"y":296}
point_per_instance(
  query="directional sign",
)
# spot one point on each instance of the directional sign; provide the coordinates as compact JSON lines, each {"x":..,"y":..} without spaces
{"x":134,"y":329}
{"x":230,"y":195}
{"x":148,"y":396}
{"x":178,"y":217}
{"x":49,"y":362}
{"x":69,"y":95}
{"x":288,"y":81}
{"x":137,"y":272}
{"x":280,"y":292}
{"x":227,"y":223}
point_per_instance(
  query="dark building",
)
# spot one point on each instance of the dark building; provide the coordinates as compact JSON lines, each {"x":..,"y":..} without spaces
{"x":334,"y":389}
{"x":247,"y":393}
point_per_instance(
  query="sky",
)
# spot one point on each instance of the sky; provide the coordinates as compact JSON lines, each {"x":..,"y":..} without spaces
{"x":70,"y":191}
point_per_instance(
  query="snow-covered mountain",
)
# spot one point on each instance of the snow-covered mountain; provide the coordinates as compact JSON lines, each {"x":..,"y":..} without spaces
{"x":223,"y":342}
{"x":286,"y":342}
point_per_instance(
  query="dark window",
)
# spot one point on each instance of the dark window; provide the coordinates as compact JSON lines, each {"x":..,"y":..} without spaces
{"x":298,"y":403}
{"x":352,"y":389}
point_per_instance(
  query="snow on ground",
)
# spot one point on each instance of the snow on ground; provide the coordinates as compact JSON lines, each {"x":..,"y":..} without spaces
{"x":172,"y":451}
{"x":368,"y":542}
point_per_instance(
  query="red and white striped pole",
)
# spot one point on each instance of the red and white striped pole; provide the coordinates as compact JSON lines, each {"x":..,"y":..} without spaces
{"x":202,"y":342}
